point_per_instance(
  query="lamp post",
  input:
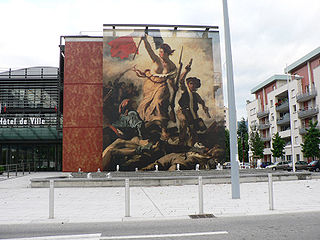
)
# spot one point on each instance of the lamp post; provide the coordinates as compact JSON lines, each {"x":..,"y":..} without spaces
{"x":235,"y":183}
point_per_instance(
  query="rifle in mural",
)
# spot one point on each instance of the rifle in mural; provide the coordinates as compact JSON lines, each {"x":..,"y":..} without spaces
{"x":175,"y":89}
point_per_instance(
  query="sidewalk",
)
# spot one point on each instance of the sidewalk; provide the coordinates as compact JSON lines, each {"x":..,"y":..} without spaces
{"x":21,"y":204}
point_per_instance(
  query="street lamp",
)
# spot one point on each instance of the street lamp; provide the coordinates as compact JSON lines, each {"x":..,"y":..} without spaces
{"x":297,"y":77}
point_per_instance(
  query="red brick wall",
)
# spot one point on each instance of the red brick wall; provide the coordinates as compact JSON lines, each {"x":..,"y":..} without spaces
{"x":82,"y":106}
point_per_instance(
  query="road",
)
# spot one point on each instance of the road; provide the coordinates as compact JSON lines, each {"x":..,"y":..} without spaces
{"x":278,"y":226}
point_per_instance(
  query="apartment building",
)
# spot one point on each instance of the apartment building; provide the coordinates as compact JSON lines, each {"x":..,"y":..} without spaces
{"x":285,"y":103}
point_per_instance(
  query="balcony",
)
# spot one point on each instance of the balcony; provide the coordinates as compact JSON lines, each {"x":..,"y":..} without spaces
{"x":303,"y":97}
{"x":303,"y":129}
{"x":308,"y":112}
{"x":265,"y":138}
{"x":263,"y":114}
{"x":285,"y":120}
{"x":283,"y":107}
{"x":263,"y":126}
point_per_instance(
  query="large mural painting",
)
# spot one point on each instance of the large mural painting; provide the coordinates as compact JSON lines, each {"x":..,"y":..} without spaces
{"x":162,"y":100}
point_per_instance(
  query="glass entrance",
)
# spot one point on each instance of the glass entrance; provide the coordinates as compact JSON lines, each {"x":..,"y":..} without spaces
{"x":41,"y":157}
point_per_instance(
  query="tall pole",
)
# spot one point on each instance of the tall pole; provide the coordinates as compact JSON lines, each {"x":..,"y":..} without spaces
{"x":235,"y":184}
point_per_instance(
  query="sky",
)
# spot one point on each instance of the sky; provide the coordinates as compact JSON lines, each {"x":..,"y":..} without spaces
{"x":265,"y":35}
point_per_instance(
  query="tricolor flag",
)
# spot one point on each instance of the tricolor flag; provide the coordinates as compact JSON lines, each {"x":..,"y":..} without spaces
{"x":122,"y":47}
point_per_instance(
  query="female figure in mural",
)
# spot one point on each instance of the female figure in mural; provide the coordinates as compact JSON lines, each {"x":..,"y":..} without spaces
{"x":156,"y":94}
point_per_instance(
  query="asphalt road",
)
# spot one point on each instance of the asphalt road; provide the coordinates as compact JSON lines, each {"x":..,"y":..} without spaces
{"x":279,"y":226}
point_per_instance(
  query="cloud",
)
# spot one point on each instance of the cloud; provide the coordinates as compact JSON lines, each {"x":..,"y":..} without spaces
{"x":265,"y":35}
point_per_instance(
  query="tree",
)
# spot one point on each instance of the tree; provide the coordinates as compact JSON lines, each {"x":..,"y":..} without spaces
{"x":243,"y":141}
{"x":256,"y":144}
{"x":278,"y":145}
{"x":310,"y":147}
{"x":227,"y":141}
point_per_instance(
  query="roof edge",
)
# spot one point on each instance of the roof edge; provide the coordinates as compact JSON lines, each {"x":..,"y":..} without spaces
{"x":281,"y":77}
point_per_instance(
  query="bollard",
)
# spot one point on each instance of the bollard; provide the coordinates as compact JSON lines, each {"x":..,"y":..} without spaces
{"x":127,"y":198}
{"x":51,"y":200}
{"x":16,"y":170}
{"x":197,"y":167}
{"x":99,"y":170}
{"x":157,"y":167}
{"x":200,"y":187}
{"x":89,"y":175}
{"x":29,"y":168}
{"x":79,"y":170}
{"x":178,"y":167}
{"x":270,"y":191}
{"x":136,"y":169}
{"x":118,"y":168}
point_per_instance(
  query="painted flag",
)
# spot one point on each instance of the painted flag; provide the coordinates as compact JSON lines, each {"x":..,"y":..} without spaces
{"x":122,"y":47}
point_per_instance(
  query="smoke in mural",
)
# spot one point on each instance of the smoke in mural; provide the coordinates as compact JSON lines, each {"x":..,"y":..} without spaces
{"x":162,"y":100}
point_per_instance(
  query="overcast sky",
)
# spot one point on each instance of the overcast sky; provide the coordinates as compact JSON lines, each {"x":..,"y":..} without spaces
{"x":265,"y":35}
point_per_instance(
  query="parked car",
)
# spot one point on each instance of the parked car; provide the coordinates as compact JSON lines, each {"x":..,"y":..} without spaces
{"x":299,"y":165}
{"x":226,"y":165}
{"x":278,"y":166}
{"x":244,"y":165}
{"x":265,"y":164}
{"x":314,"y":166}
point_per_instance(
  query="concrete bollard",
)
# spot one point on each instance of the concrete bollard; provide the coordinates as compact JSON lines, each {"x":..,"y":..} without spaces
{"x":270,"y":185}
{"x":197,"y":167}
{"x":136,"y":169}
{"x":127,"y":198}
{"x":99,"y":170}
{"x":200,"y":188}
{"x":51,"y":200}
{"x":178,"y":167}
{"x":157,"y":167}
{"x":79,"y":170}
{"x":89,"y":175}
{"x":117,"y":168}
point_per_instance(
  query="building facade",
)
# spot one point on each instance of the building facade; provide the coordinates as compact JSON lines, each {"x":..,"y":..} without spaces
{"x":286,"y":103}
{"x":31,"y":118}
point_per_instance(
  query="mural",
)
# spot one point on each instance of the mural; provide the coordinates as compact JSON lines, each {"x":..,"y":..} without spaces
{"x":162,"y":100}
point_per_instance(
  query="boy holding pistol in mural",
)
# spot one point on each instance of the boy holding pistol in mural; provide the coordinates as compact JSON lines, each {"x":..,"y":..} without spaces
{"x":187,"y":114}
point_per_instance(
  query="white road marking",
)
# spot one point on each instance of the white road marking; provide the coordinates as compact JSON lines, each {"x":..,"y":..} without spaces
{"x":61,"y":237}
{"x":164,"y":235}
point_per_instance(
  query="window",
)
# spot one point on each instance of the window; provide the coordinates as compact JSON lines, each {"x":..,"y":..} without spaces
{"x":288,"y":158}
{"x":295,"y":123}
{"x":294,"y":108}
{"x":298,"y":157}
{"x":271,"y":103}
{"x":292,"y":93}
{"x":272,"y":117}
{"x":296,"y":140}
{"x":252,"y":111}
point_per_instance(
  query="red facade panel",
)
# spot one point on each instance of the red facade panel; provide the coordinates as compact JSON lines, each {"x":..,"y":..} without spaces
{"x":269,"y":89}
{"x":303,"y":71}
{"x":82,"y":109}
{"x":82,"y":148}
{"x":83,"y":62}
{"x":82,"y":105}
